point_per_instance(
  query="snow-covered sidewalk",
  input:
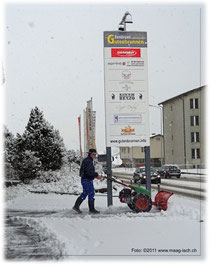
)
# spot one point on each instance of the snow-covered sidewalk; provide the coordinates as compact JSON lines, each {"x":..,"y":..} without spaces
{"x":117,"y":230}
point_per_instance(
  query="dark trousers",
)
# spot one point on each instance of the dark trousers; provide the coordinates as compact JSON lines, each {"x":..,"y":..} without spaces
{"x":88,"y":189}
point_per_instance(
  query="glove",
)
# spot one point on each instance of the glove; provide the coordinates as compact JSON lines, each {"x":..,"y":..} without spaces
{"x":99,"y":177}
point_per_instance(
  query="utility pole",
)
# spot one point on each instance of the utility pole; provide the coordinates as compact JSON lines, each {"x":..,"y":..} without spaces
{"x":109,"y":175}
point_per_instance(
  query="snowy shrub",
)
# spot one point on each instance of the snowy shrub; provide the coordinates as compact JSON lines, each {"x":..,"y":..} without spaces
{"x":74,"y":156}
{"x":60,"y":181}
{"x":10,"y":173}
{"x":49,"y":176}
{"x":28,"y":167}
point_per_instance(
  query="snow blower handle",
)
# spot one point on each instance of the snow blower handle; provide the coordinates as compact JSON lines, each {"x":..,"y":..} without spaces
{"x":121,"y":183}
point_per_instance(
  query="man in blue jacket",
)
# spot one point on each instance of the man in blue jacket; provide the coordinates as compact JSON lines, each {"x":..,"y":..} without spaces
{"x":87,"y":174}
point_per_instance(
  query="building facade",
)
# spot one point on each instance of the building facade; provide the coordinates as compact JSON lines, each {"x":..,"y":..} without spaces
{"x":135,"y":156}
{"x":184,"y":122}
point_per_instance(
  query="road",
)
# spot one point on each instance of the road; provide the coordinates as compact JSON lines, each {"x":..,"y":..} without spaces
{"x":188,"y":186}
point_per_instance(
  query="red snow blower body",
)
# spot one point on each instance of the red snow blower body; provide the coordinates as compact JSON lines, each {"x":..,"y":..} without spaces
{"x":139,"y":199}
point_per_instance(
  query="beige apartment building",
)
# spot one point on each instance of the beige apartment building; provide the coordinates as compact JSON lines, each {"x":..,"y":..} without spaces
{"x":135,"y":156}
{"x":184,"y":123}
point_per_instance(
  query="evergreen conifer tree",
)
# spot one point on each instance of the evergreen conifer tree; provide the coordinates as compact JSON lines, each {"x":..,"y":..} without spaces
{"x":45,"y":142}
{"x":9,"y":153}
{"x":9,"y":145}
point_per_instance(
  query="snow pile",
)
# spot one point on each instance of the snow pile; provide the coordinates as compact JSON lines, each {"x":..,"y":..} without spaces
{"x":15,"y":191}
{"x":63,"y":181}
{"x":179,"y":208}
{"x":67,"y":181}
{"x":56,"y":246}
{"x":117,"y":235}
{"x":125,"y":170}
{"x":196,"y":170}
{"x":117,"y":161}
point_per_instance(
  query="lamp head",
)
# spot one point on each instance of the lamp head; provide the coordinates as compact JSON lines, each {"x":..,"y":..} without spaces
{"x":121,"y":27}
{"x":127,"y":18}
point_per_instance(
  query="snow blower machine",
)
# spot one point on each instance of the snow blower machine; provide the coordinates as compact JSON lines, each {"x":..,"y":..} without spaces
{"x":139,"y":199}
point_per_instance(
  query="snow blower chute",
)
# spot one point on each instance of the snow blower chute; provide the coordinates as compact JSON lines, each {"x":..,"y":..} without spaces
{"x":139,"y":199}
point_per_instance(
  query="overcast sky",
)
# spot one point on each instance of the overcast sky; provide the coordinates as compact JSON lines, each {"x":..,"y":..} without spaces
{"x":54,"y":60}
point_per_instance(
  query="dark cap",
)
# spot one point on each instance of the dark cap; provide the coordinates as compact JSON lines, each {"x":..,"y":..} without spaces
{"x":92,"y":151}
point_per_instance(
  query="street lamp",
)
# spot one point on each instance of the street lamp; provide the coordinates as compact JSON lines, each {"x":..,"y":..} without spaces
{"x":127,"y":18}
{"x":161,"y":128}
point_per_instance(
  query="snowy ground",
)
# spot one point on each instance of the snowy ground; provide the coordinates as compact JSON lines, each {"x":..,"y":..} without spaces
{"x":116,"y":231}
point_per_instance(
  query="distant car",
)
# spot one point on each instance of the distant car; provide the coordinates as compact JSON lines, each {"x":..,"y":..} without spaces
{"x":139,"y":175}
{"x":161,"y":171}
{"x":169,"y":170}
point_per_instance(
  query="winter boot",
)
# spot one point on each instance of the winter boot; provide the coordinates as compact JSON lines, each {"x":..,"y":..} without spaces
{"x":92,"y":208}
{"x":77,"y":204}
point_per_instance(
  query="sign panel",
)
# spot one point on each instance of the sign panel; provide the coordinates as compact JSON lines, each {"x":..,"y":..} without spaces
{"x":126,"y":88}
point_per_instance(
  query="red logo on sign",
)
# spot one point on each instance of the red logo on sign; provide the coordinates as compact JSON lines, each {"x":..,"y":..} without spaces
{"x":126,"y":52}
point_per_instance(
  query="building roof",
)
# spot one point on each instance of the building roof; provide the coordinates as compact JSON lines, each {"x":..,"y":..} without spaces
{"x":182,"y":95}
{"x":154,"y":135}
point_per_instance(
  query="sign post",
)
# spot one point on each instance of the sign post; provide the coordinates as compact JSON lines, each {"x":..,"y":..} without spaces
{"x":109,"y":176}
{"x":147,"y":167}
{"x":126,"y":91}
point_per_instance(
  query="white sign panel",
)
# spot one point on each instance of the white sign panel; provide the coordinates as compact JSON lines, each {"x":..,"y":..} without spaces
{"x":126,"y":88}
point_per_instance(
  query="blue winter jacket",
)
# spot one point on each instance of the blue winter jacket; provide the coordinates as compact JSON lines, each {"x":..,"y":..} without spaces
{"x":87,"y":170}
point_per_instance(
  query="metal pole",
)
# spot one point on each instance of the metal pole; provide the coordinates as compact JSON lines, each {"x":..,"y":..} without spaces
{"x":161,"y":138}
{"x":109,"y":175}
{"x":147,"y":167}
{"x":161,"y":130}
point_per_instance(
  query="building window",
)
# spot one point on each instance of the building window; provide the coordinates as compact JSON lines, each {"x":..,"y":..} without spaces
{"x":158,"y":139}
{"x":194,"y":120}
{"x":172,"y":151}
{"x":196,"y":153}
{"x":142,"y":149}
{"x":195,"y":138}
{"x":194,"y":103}
{"x":171,"y":108}
{"x":191,"y":103}
{"x":193,"y":153}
